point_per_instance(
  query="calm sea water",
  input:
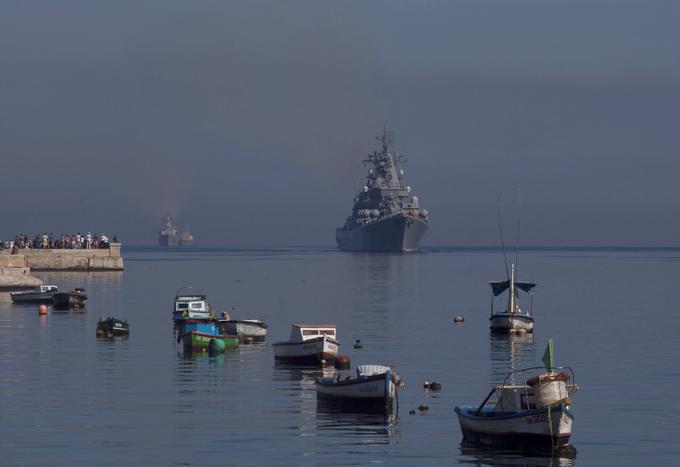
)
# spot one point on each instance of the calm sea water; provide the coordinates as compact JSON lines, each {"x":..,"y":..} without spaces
{"x":67,"y":398}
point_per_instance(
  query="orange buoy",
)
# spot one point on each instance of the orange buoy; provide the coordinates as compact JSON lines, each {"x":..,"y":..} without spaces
{"x":342,"y":362}
{"x":42,"y":310}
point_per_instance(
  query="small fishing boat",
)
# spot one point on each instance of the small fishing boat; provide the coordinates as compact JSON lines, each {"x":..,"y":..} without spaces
{"x":190,"y":304}
{"x":73,"y":299}
{"x":530,"y":411}
{"x":197,"y":334}
{"x":372,"y":391}
{"x":513,"y":318}
{"x":40,"y":294}
{"x":248,"y":330}
{"x":112,"y":327}
{"x":308,"y":344}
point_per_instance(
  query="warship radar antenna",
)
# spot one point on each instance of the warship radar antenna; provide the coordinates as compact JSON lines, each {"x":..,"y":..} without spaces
{"x":386,"y":138}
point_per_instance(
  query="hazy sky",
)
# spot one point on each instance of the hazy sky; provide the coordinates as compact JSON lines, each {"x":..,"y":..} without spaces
{"x":249,"y":120}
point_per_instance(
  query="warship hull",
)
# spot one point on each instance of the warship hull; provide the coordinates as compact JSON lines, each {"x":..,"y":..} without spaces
{"x":168,"y":240}
{"x":395,"y":234}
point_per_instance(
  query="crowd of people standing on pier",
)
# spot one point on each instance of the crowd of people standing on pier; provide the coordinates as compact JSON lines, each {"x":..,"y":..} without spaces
{"x":87,"y":241}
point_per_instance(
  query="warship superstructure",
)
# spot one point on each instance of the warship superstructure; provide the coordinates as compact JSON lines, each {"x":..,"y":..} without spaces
{"x":386,"y":215}
{"x":170,"y":236}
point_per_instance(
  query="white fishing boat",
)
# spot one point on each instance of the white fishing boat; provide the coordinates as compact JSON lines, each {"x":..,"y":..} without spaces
{"x":248,"y":330}
{"x":308,"y":343}
{"x":513,"y":318}
{"x":374,"y":389}
{"x":530,"y":411}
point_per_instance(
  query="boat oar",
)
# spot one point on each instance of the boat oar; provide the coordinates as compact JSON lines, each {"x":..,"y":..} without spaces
{"x":479,"y":409}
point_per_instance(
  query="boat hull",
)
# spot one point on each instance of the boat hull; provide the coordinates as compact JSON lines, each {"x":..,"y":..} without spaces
{"x":66,"y":300}
{"x":198,"y":341}
{"x":32,"y":297}
{"x":372,"y":394}
{"x":313,"y":351}
{"x":394,"y":234}
{"x":511,"y":322}
{"x":168,"y":240}
{"x":113,"y":327}
{"x":531,"y":430}
{"x":247,"y":331}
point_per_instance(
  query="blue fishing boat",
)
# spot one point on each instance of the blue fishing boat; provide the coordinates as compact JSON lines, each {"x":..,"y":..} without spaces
{"x":530,"y":411}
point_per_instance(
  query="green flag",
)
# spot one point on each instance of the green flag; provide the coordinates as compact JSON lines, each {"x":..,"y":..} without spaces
{"x":549,"y":356}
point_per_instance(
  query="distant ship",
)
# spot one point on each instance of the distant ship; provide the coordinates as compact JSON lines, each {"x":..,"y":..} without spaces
{"x":386,"y":216}
{"x":186,"y":239}
{"x":170,"y":236}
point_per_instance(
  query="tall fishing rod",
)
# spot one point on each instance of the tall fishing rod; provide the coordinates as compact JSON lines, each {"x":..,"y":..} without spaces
{"x":519,"y":219}
{"x":500,"y":230}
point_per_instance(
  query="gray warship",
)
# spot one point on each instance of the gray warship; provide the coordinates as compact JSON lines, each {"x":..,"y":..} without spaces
{"x":386,"y":216}
{"x":170,"y":236}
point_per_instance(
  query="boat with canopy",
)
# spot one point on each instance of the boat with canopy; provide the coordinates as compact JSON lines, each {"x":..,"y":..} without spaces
{"x":513,"y":318}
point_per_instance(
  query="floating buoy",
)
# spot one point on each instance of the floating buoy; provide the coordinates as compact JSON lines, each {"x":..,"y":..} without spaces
{"x":42,"y":310}
{"x":432,"y":385}
{"x":100,"y":333}
{"x":458,"y":319}
{"x":358,"y":344}
{"x":216,"y":346}
{"x":342,"y":362}
{"x":423,"y":408}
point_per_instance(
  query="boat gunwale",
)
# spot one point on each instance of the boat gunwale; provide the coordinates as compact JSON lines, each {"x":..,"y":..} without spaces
{"x":468,"y":411}
{"x":331,"y":382}
{"x":308,"y":341}
{"x":213,"y":336}
{"x":505,"y":314}
{"x":254,"y":322}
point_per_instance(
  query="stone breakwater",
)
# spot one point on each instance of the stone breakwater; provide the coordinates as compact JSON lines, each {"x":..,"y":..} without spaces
{"x":15,"y":270}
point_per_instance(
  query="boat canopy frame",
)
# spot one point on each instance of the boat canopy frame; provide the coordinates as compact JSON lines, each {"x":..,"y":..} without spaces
{"x":526,"y":374}
{"x":531,"y":305}
{"x":189,"y":293}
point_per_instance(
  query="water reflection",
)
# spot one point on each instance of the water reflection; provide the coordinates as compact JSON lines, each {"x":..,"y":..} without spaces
{"x":477,"y":456}
{"x":377,"y":284}
{"x":509,"y":353}
{"x":357,"y":429}
{"x":195,"y":360}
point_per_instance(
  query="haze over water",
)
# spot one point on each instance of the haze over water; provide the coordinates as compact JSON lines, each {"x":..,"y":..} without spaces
{"x":248,"y":120}
{"x":69,"y":398}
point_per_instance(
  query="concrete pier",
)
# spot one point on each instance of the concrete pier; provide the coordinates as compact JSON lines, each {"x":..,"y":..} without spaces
{"x":15,"y":270}
{"x":17,"y":278}
{"x":102,"y":259}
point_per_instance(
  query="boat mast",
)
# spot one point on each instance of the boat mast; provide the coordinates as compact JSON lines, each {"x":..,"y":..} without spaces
{"x":511,"y":289}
